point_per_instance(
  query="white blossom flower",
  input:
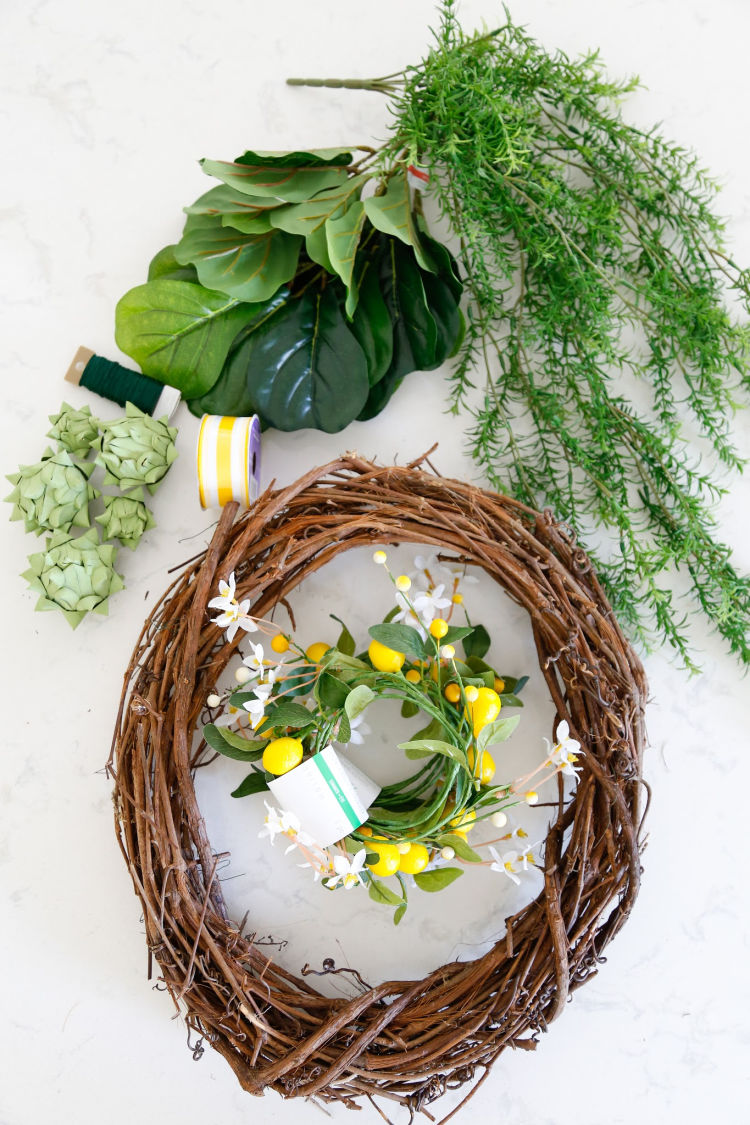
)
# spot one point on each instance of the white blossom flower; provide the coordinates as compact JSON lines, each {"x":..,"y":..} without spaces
{"x":428,"y":603}
{"x":279,"y":822}
{"x":457,"y":573}
{"x":506,"y":864}
{"x":526,"y":856}
{"x":255,"y":660}
{"x":347,"y":871}
{"x":407,"y":616}
{"x":256,"y":708}
{"x":230,"y":716}
{"x":227,"y":595}
{"x":565,"y":752}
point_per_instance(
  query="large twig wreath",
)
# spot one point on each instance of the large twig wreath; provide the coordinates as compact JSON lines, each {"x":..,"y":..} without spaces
{"x":406,"y":1040}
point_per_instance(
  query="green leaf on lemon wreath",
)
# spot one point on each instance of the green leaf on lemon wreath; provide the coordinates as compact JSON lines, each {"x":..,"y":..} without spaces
{"x":391,"y":213}
{"x":180,"y":333}
{"x":301,"y":368}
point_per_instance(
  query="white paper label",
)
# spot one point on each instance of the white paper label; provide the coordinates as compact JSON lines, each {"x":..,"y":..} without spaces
{"x":328,"y":795}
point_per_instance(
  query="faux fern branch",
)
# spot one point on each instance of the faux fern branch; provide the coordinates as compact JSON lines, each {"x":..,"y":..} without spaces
{"x":594,"y":266}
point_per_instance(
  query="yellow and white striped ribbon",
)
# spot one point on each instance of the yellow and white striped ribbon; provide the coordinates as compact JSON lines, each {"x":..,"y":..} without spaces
{"x":228,"y":460}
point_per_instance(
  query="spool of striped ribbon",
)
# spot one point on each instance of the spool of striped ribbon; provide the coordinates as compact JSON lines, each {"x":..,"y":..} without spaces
{"x":228,"y":460}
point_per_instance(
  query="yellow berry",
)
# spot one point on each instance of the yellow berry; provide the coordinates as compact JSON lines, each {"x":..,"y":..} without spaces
{"x":316,"y":652}
{"x":531,"y":797}
{"x":465,"y":820}
{"x":471,"y":693}
{"x":385,"y":659}
{"x":457,"y":599}
{"x":499,"y":685}
{"x":438,"y":628}
{"x":415,"y":860}
{"x":388,"y":859}
{"x":280,"y":643}
{"x":379,"y":557}
{"x":448,"y":852}
{"x":452,"y":693}
{"x":486,"y":766}
{"x":484,"y":709}
{"x":413,"y":676}
{"x":403,"y":582}
{"x":282,"y":755}
{"x":364,"y":830}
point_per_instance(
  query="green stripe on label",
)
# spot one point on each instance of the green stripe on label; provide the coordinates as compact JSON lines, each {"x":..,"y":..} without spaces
{"x":332,"y":783}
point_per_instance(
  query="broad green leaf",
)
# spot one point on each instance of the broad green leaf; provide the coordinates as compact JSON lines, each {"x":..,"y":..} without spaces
{"x":424,"y":747}
{"x":301,"y":368}
{"x":316,"y":244}
{"x":498,"y":731}
{"x":232,"y":745}
{"x":286,"y":714}
{"x":460,"y":847}
{"x":344,"y":663}
{"x":165,"y":265}
{"x":379,"y":892}
{"x":330,"y":691}
{"x":391,"y":213}
{"x":370,"y":321}
{"x":456,"y":633}
{"x":235,"y":209}
{"x":251,"y":267}
{"x":432,"y":730}
{"x":310,"y":215}
{"x":179,"y":333}
{"x":409,"y":709}
{"x":398,"y":913}
{"x":438,"y":879}
{"x":401,"y":638}
{"x":294,"y":176}
{"x":301,"y":680}
{"x":357,"y":699}
{"x":476,"y":645}
{"x":255,"y":782}
{"x":441,"y":260}
{"x":508,"y":699}
{"x":343,"y":236}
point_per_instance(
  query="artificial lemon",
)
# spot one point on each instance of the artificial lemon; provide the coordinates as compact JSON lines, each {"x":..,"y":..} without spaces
{"x":415,"y":860}
{"x":280,"y":643}
{"x":452,"y":693}
{"x":484,"y":709}
{"x":499,"y":685}
{"x":316,"y":652}
{"x":466,"y":820}
{"x":282,"y":755}
{"x":388,"y":859}
{"x":385,"y":659}
{"x":486,"y":767}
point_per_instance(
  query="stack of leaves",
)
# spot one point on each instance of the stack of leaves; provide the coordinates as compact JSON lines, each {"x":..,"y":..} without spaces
{"x":304,"y":288}
{"x":75,"y":573}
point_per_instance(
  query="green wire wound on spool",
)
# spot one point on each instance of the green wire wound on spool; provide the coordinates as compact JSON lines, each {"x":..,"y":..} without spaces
{"x":111,"y":380}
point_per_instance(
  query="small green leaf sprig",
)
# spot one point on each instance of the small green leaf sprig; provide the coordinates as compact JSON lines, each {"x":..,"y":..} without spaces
{"x":294,"y":703}
{"x":75,"y":573}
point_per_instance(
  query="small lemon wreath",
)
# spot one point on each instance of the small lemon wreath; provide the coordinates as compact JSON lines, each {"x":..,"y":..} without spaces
{"x":401,"y":1041}
{"x":290,"y":710}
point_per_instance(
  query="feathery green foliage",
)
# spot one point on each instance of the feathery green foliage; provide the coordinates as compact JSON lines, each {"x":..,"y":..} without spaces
{"x":595,"y":269}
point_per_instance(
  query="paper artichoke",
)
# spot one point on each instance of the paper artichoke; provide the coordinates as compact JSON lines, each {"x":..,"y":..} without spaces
{"x":53,"y":494}
{"x":74,"y":575}
{"x":75,"y":430}
{"x":125,"y":518}
{"x":135,"y":450}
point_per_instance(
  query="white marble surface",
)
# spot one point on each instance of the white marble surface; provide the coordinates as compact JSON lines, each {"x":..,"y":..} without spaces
{"x":104,"y":110}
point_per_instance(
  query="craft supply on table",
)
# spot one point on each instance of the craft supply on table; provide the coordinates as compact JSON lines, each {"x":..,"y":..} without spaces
{"x":121,"y":385}
{"x":228,"y":460}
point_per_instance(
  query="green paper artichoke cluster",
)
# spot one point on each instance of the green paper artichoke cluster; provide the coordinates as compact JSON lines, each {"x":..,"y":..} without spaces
{"x":135,"y":450}
{"x":75,"y":573}
{"x":53,"y":494}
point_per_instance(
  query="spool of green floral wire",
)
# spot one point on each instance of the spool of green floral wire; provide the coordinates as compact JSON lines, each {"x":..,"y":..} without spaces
{"x":121,"y":385}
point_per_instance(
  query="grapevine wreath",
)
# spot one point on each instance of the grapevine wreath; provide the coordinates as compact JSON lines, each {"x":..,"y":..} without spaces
{"x":404,"y":1040}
